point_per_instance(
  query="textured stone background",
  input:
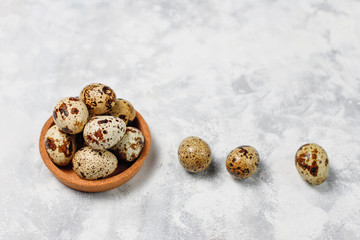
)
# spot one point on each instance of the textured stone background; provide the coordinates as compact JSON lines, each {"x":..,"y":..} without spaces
{"x":272,"y":74}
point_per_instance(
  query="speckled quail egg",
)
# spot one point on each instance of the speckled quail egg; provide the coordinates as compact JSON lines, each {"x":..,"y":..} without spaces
{"x":312,"y":163}
{"x":194,"y":154}
{"x":98,"y":97}
{"x":94,"y":164}
{"x":124,"y":110}
{"x":60,"y":146}
{"x":70,"y":115}
{"x":242,"y":162}
{"x":103,"y":132}
{"x":130,"y":146}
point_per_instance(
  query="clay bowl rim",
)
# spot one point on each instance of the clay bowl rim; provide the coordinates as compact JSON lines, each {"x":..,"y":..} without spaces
{"x":100,"y":185}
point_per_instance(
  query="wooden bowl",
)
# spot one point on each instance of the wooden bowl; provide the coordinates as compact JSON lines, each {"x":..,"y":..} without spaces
{"x":124,"y":172}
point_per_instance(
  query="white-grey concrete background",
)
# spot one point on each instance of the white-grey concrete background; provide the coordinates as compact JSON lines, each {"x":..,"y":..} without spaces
{"x":273,"y":74}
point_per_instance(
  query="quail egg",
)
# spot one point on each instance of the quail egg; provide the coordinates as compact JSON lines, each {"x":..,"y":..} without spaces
{"x":124,"y":110}
{"x":94,"y":164}
{"x":103,"y":132}
{"x":70,"y":115}
{"x":194,"y":154}
{"x":130,"y":146}
{"x":312,"y":163}
{"x":242,"y":162}
{"x":60,"y":146}
{"x":98,"y":97}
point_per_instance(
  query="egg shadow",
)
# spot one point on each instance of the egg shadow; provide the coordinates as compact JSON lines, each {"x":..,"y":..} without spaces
{"x":330,"y":183}
{"x":259,"y":177}
{"x":210,"y":172}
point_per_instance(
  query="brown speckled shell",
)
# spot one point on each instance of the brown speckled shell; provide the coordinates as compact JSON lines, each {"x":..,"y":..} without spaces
{"x":312,"y":163}
{"x":194,"y":154}
{"x":70,"y":115}
{"x":94,"y":164}
{"x":130,"y":146}
{"x":98,"y":98}
{"x":103,"y":132}
{"x":242,"y":162}
{"x":60,"y":146}
{"x":123,"y":109}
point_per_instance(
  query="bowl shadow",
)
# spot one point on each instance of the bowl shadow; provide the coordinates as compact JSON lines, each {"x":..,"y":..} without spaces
{"x":138,"y":180}
{"x":133,"y":184}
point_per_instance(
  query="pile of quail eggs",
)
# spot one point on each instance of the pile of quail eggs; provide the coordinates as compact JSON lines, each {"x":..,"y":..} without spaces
{"x":93,"y":132}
